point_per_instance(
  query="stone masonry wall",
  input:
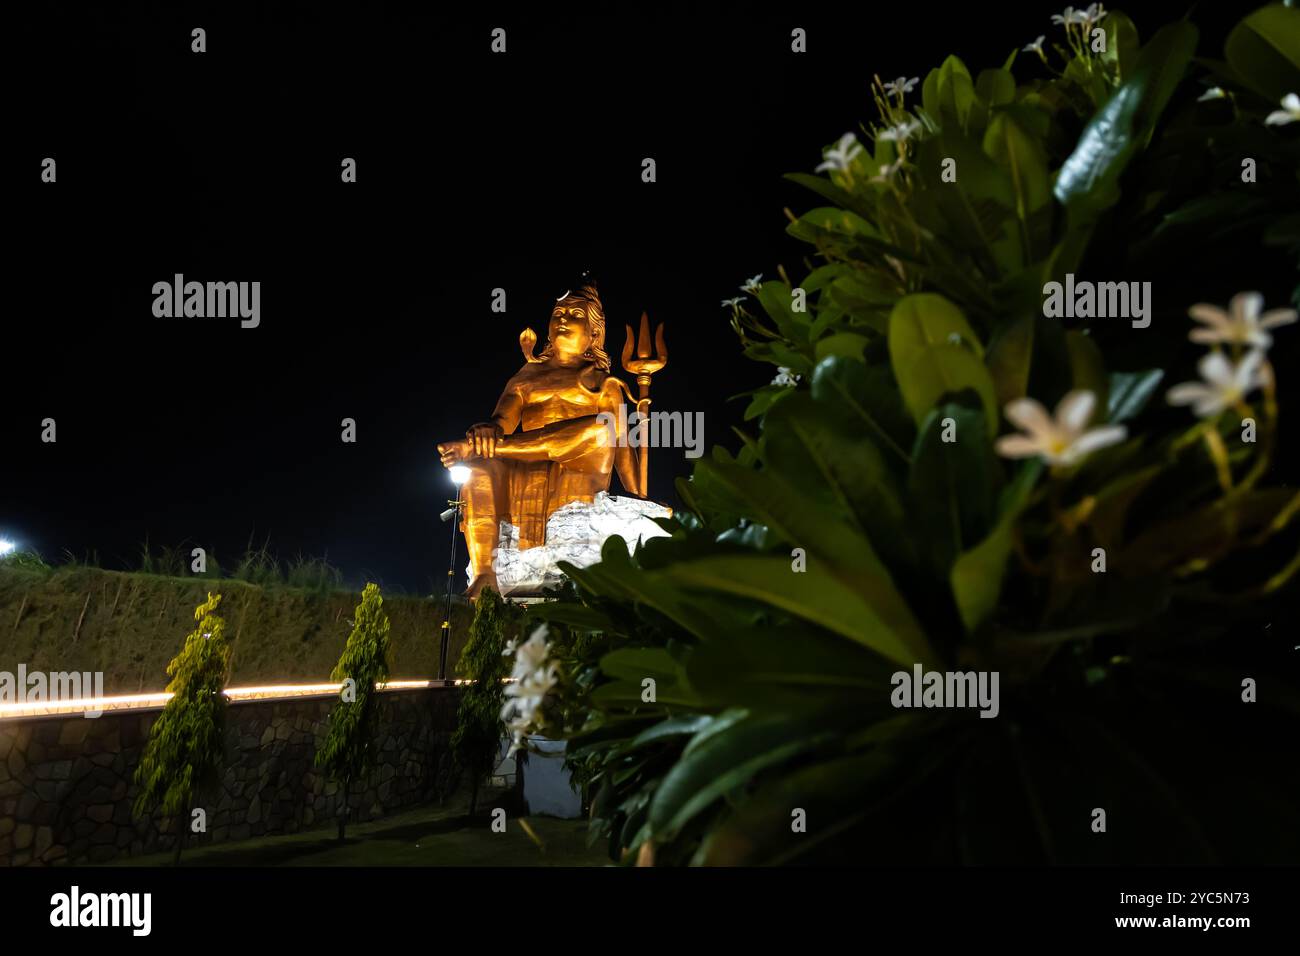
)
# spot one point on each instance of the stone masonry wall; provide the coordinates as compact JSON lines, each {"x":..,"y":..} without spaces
{"x":66,"y":783}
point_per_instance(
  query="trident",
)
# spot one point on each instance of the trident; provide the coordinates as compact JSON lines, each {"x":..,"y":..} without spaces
{"x":643,"y":366}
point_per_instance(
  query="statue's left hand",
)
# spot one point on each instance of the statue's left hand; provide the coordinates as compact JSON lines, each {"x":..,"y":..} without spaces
{"x":483,"y":438}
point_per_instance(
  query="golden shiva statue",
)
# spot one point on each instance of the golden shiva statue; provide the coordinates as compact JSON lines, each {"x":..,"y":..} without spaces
{"x":545,"y":445}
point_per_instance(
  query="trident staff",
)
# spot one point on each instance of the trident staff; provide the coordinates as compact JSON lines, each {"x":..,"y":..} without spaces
{"x":643,"y":366}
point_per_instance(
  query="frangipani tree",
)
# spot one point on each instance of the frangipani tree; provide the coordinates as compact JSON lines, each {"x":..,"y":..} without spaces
{"x":905,"y":502}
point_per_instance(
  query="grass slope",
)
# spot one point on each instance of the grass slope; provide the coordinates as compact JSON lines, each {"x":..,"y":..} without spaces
{"x":129,"y":625}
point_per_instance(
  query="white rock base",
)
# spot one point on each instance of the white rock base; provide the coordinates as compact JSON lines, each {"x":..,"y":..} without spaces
{"x":574,"y":533}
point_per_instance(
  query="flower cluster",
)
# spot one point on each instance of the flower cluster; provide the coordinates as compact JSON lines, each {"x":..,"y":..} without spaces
{"x":785,"y":376}
{"x":533,"y":678}
{"x":1084,"y":18}
{"x":1226,"y":382}
{"x":1064,"y":439}
{"x":1078,"y":25}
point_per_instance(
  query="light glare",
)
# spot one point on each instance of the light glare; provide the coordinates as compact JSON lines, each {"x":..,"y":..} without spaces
{"x":459,"y":474}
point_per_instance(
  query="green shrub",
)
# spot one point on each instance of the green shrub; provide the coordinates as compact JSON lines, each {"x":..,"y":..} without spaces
{"x":186,"y":745}
{"x":348,"y":751}
{"x":476,"y":741}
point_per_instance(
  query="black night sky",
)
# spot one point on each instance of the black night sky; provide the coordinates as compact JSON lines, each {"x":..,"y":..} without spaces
{"x":475,"y":171}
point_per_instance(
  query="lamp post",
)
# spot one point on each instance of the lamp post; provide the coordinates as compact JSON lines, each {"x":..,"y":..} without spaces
{"x":459,"y":475}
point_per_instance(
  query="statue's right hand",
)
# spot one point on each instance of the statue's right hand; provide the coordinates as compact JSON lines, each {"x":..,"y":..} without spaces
{"x":454,"y":452}
{"x":483,"y":438}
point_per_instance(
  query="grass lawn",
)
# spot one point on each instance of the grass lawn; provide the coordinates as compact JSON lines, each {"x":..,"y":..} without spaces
{"x":428,"y":836}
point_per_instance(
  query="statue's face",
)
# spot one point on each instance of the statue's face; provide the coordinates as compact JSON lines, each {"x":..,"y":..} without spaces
{"x":570,"y":329}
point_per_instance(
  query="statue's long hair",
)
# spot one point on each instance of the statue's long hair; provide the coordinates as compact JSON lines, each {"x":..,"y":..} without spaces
{"x":588,"y":296}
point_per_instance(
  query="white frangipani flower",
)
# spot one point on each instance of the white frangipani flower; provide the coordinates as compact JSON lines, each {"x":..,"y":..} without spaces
{"x":733,"y":302}
{"x":839,"y":156}
{"x":1213,"y":93}
{"x":887,"y":171}
{"x":1289,"y":113}
{"x":753,"y":284}
{"x":1036,"y":46}
{"x":531,"y":654}
{"x":900,"y":132}
{"x":1061,"y":440}
{"x":901,"y":85}
{"x":1241,"y":325}
{"x":1224,"y":383}
{"x":533,"y":678}
{"x":785,"y":377}
{"x":1085,"y":17}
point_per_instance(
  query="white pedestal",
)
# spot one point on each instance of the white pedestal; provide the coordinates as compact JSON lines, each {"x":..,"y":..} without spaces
{"x":574,"y":533}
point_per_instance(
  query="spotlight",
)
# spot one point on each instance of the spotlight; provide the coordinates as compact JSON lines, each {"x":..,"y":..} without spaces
{"x":449,"y":513}
{"x":6,"y":546}
{"x":459,"y":474}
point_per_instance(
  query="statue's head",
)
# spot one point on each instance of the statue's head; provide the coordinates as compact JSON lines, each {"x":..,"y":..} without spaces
{"x":577,"y":327}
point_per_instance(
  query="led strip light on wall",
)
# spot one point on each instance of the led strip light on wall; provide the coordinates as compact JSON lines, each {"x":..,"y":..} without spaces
{"x":39,"y":708}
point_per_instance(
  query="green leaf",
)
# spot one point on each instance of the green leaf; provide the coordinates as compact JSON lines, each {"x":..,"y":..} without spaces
{"x":924,"y":319}
{"x":976,"y":575}
{"x":869,"y":396}
{"x":686,"y":725}
{"x":954,"y":482}
{"x":577,"y":616}
{"x":751,"y":666}
{"x":614,"y":577}
{"x":1009,"y":359}
{"x":1087,"y":368}
{"x":763,"y":400}
{"x":845,"y":344}
{"x":975,"y":211}
{"x":1121,"y":43}
{"x":954,"y":94}
{"x":841,"y":228}
{"x":828,"y":190}
{"x":1264,"y":51}
{"x":1130,"y":392}
{"x":817,"y":448}
{"x":1088,"y":182}
{"x":996,"y":87}
{"x":854,"y":574}
{"x":946,"y":370}
{"x":722,"y":760}
{"x":776,"y":299}
{"x":871,"y":613}
{"x":637,"y":663}
{"x":934,"y":352}
{"x":1022,"y":156}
